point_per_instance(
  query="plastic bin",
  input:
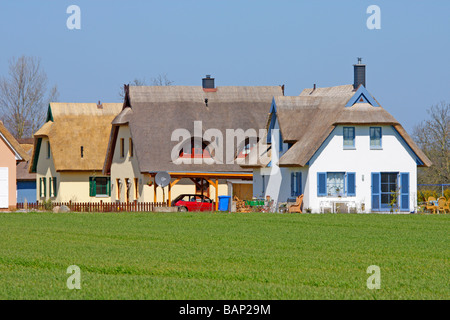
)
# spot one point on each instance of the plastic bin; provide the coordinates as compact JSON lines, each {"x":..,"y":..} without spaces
{"x":224,"y":203}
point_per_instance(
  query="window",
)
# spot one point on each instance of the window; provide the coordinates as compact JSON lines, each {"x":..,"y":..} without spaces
{"x":52,"y":186}
{"x":99,"y":186}
{"x":195,"y":148}
{"x":349,"y":137}
{"x":335,"y":183}
{"x":48,"y":150}
{"x":375,"y":137}
{"x":249,"y":144}
{"x":42,"y":187}
{"x":131,"y":148}
{"x":82,"y":151}
{"x":122,"y":148}
{"x":136,"y":188}
{"x":127,"y":190}
{"x":119,"y":187}
{"x":296,"y":184}
{"x":263,"y":184}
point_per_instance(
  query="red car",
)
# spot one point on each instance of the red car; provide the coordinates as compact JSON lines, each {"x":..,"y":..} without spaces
{"x":193,"y":202}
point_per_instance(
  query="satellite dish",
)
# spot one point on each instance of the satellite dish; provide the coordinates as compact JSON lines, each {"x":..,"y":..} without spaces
{"x":162,"y":179}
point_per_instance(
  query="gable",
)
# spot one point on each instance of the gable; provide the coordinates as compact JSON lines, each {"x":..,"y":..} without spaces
{"x":362,"y":96}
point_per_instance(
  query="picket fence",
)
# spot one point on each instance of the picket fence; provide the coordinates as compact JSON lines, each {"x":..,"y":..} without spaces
{"x":95,"y":207}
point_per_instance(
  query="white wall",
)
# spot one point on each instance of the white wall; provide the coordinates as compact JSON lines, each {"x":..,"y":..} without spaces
{"x":395,"y":156}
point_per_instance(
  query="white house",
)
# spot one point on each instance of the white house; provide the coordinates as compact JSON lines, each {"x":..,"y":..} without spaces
{"x":339,"y":148}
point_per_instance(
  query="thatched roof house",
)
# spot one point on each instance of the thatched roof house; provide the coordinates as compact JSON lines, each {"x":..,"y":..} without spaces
{"x":78,"y":134}
{"x":69,"y":150}
{"x":154,"y":113}
{"x":308,"y":119}
{"x":150,"y":121}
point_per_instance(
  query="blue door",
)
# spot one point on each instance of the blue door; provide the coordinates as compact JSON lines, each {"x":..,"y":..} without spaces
{"x":26,"y":190}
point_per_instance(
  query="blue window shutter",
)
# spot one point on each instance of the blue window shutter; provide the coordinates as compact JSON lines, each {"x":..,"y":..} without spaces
{"x":376,"y":198}
{"x":351,"y":184}
{"x":292,"y":184}
{"x":404,"y":191}
{"x":321,"y":184}
{"x":281,"y":141}
{"x":55,"y":186}
{"x":299,"y":183}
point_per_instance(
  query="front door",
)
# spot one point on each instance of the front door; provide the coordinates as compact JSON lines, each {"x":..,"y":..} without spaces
{"x":390,"y":191}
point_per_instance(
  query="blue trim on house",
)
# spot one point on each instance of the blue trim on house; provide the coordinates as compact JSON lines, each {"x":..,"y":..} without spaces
{"x":418,"y":161}
{"x":273,"y":120}
{"x":308,"y":163}
{"x":273,"y":107}
{"x":404,"y":191}
{"x":362,"y":93}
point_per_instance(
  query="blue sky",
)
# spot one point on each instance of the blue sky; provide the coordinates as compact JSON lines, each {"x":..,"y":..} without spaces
{"x":296,"y":43}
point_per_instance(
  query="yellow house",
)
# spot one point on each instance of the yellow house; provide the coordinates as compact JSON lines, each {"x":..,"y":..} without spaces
{"x":143,"y":140}
{"x":69,"y":151}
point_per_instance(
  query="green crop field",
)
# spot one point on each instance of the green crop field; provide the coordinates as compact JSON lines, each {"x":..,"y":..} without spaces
{"x":223,"y":256}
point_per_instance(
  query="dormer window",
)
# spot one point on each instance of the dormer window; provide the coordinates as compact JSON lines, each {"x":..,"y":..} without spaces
{"x":122,"y":148}
{"x":195,"y":148}
{"x":249,"y":144}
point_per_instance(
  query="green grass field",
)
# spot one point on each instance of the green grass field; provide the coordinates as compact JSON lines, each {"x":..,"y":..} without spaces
{"x":223,"y":256}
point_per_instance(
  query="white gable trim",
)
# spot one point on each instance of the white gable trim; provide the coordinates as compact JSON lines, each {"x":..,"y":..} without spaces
{"x":18,"y":157}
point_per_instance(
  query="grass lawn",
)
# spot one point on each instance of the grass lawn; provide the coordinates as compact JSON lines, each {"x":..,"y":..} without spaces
{"x":223,"y":256}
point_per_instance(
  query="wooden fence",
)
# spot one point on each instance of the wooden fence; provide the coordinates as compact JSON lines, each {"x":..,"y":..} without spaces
{"x":95,"y":206}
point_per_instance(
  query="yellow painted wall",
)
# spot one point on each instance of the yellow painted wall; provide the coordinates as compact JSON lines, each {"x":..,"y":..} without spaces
{"x":126,"y":167}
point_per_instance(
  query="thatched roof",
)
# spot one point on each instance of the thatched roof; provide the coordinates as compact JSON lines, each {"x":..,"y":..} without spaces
{"x":13,"y":143}
{"x":153,"y":113}
{"x":75,"y":125}
{"x":307,"y":120}
{"x":22,"y":168}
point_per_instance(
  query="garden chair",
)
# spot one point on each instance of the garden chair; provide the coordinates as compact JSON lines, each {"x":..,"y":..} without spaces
{"x":443,"y":205}
{"x":297,"y":206}
{"x":431,"y":205}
